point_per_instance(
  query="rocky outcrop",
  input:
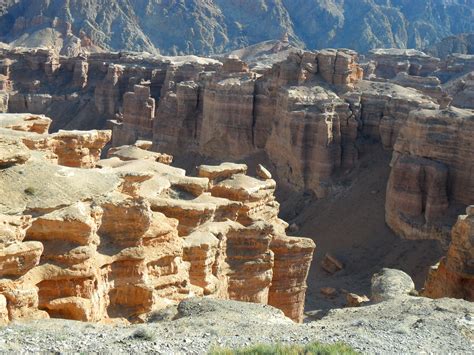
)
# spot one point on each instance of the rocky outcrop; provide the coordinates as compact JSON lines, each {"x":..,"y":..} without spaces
{"x":390,"y":62}
{"x":107,"y":92}
{"x":307,"y":113}
{"x":305,"y":129}
{"x":453,"y":276}
{"x":462,"y":91}
{"x":12,"y":152}
{"x":138,"y":115}
{"x":131,"y":235}
{"x":384,"y":109}
{"x":80,"y":72}
{"x":84,"y":91}
{"x":69,"y":148}
{"x":432,"y":173}
{"x":292,"y":260}
{"x":429,"y":85}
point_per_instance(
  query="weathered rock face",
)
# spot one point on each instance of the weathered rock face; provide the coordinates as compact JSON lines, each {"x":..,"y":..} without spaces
{"x":457,"y":64}
{"x":384,"y":109}
{"x":462,"y":91}
{"x":453,"y":276}
{"x":292,"y":260}
{"x":69,"y":148}
{"x":236,"y":112}
{"x":307,"y":142}
{"x":432,"y":173}
{"x":138,"y":114}
{"x":107,"y":92}
{"x":17,"y":258}
{"x":160,"y":27}
{"x":134,"y":235}
{"x":84,"y":91}
{"x":307,"y":113}
{"x":462,"y":44}
{"x":390,"y":62}
{"x":429,"y":85}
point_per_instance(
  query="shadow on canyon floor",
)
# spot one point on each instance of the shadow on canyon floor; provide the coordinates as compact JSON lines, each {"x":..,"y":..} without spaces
{"x":351,"y":226}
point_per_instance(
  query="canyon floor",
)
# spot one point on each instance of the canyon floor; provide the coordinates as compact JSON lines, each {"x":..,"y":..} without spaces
{"x":351,"y":226}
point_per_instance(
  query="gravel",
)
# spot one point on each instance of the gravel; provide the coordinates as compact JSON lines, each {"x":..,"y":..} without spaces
{"x":403,"y":325}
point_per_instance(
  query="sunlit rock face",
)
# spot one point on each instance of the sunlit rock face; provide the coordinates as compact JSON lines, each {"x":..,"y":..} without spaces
{"x":308,"y":114}
{"x":90,"y":239}
{"x":453,"y":276}
{"x":235,"y":112}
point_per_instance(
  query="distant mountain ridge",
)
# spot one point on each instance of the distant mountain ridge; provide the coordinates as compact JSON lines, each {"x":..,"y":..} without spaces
{"x":217,"y":26}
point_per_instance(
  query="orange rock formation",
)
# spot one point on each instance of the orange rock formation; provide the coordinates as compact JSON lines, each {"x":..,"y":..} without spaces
{"x":131,"y":234}
{"x":453,"y":276}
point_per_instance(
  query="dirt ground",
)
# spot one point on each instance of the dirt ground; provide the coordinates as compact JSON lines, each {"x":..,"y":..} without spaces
{"x":351,"y":226}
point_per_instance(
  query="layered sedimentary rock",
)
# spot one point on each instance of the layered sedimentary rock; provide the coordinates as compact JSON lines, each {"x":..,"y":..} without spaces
{"x":457,"y":64}
{"x":453,"y":276}
{"x":390,"y":62}
{"x":429,"y":85}
{"x":138,"y":115}
{"x":84,"y":91}
{"x":236,"y":112}
{"x":432,"y":173}
{"x":131,"y":234}
{"x":316,"y":101}
{"x":462,"y":91}
{"x":107,"y":92}
{"x":384,"y":109}
{"x":309,"y":115}
{"x":292,"y":259}
{"x":69,"y":148}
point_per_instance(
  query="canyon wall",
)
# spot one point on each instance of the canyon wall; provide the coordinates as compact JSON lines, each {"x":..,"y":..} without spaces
{"x":432,"y":173}
{"x":127,"y":235}
{"x":310,"y":116}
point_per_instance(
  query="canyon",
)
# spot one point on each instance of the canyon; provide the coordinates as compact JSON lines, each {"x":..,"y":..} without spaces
{"x":114,"y":133}
{"x":136,"y":234}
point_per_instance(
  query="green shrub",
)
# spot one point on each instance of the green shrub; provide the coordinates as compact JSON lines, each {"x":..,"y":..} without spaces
{"x":279,"y":349}
{"x":30,"y":191}
{"x":144,"y":334}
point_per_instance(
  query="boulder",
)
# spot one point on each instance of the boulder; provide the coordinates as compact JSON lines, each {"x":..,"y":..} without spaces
{"x":330,"y":264}
{"x":12,"y":152}
{"x":390,"y":283}
{"x":354,"y":300}
{"x":263,"y":173}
